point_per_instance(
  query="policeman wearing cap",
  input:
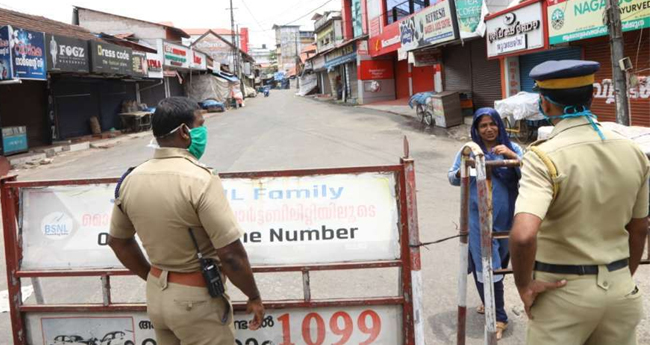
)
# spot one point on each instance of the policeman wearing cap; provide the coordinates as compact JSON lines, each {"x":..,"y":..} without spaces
{"x":580,"y":219}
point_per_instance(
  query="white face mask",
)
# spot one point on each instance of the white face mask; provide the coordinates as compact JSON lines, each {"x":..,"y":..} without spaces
{"x":153,"y":144}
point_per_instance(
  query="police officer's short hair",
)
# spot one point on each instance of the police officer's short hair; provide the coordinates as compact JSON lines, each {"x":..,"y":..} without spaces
{"x":579,"y":96}
{"x":172,"y":112}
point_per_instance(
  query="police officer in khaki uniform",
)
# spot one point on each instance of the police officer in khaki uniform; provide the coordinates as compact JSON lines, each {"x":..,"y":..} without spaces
{"x":161,"y":200}
{"x":581,"y":219}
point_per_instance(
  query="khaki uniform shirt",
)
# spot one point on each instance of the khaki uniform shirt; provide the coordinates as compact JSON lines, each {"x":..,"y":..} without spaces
{"x":165,"y":197}
{"x":602,"y":186}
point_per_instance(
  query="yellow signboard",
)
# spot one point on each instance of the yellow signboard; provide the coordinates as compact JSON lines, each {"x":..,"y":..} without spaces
{"x":572,"y":20}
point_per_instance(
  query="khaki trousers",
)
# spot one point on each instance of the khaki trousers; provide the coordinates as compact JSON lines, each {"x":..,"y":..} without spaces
{"x":185,"y":315}
{"x":602,"y":309}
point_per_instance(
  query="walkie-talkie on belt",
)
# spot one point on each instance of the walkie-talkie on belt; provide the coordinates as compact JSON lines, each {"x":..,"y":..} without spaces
{"x":210,"y":271}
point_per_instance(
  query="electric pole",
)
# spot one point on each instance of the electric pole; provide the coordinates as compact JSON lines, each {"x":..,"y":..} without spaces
{"x":233,"y":40}
{"x":613,"y":18}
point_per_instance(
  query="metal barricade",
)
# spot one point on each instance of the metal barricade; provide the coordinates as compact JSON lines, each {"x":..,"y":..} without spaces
{"x":315,"y":320}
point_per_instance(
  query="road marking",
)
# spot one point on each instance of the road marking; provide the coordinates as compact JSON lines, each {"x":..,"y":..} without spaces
{"x":4,"y":297}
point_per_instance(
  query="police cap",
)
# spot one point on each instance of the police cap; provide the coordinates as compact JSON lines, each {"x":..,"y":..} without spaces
{"x":564,"y":74}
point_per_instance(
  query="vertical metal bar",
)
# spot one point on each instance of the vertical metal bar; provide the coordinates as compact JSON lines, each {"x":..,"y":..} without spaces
{"x":38,"y":290}
{"x":464,"y":250}
{"x":7,"y":199}
{"x":106,"y":289}
{"x":306,"y":285}
{"x":485,"y":218}
{"x":406,"y":279}
{"x":414,"y":249}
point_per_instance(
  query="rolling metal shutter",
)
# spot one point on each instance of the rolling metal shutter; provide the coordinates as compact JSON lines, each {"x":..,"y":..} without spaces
{"x":527,"y":62}
{"x":486,"y":76}
{"x":457,"y":68}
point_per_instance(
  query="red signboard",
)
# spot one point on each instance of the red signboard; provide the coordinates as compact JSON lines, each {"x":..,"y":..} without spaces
{"x":387,"y":42}
{"x":376,"y":69}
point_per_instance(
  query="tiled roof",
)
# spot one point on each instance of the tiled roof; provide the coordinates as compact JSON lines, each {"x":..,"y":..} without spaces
{"x":42,"y":24}
{"x":226,"y":32}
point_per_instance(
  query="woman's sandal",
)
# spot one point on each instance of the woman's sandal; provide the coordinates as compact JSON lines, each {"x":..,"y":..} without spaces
{"x":501,"y":327}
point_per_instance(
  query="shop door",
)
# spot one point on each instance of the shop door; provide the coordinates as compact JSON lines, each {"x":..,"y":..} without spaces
{"x":402,"y":79}
{"x":486,"y":76}
{"x":354,"y":84}
{"x":422,"y":79}
{"x":112,"y":94}
{"x":527,"y":62}
{"x":25,"y":104}
{"x":457,"y":68}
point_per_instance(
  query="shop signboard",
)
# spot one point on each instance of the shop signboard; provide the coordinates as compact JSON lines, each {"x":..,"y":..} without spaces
{"x":376,"y":69}
{"x":199,"y":61}
{"x":110,"y":58}
{"x":572,"y":20}
{"x":470,"y":15}
{"x":154,"y":66}
{"x":139,"y":66}
{"x":28,"y":54}
{"x":388,"y":41}
{"x":175,"y":55}
{"x":318,"y":63}
{"x":434,"y":25}
{"x":219,"y":50}
{"x":340,"y":56}
{"x":66,"y":54}
{"x":517,"y":31}
{"x":5,"y":54}
{"x":375,"y":16}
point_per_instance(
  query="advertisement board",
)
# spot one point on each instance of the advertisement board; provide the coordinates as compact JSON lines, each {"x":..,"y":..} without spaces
{"x":154,"y":66}
{"x":175,"y":55}
{"x":199,"y":61}
{"x":434,"y":25}
{"x":6,"y":71}
{"x":28,"y":54}
{"x":139,"y":64}
{"x":324,"y":219}
{"x":110,"y":58}
{"x":520,"y":30}
{"x":218,"y":49}
{"x":65,"y":54}
{"x":572,"y":20}
{"x":386,"y":42}
{"x":346,"y":325}
{"x":376,"y":69}
{"x":470,"y":15}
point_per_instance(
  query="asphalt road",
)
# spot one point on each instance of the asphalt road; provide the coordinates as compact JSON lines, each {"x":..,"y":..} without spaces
{"x":288,"y":132}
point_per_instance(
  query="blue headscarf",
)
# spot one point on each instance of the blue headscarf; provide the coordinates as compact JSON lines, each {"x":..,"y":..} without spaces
{"x":509,"y":176}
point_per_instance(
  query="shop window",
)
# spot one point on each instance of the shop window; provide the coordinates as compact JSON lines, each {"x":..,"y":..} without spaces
{"x":396,"y":10}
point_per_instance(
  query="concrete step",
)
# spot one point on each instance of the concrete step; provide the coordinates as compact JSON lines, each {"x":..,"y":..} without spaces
{"x":26,"y":158}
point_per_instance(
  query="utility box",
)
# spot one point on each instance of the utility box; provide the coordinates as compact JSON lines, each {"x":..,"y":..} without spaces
{"x":446,"y":109}
{"x":14,"y":140}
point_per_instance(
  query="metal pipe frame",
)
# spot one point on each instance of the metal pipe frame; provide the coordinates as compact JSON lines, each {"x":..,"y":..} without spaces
{"x":410,"y":297}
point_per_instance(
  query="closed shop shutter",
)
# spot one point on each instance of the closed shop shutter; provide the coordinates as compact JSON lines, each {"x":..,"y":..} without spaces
{"x":604,"y":105}
{"x":527,"y":62}
{"x":152,"y":92}
{"x":112,"y":94}
{"x":175,"y":87}
{"x":354,"y":85}
{"x":457,"y":68}
{"x":422,"y":79}
{"x":75,"y":102}
{"x":25,"y":104}
{"x":402,"y":79}
{"x":486,"y":76}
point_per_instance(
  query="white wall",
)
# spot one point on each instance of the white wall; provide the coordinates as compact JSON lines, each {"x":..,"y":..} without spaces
{"x":113,"y":25}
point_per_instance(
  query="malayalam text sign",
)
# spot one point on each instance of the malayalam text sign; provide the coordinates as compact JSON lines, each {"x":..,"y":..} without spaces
{"x":377,"y":325}
{"x":28,"y":54}
{"x":572,"y":20}
{"x":319,"y":219}
{"x":6,"y":72}
{"x":519,"y":30}
{"x":376,"y":69}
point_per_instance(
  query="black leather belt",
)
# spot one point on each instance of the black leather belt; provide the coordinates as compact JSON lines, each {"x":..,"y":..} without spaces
{"x":579,"y":270}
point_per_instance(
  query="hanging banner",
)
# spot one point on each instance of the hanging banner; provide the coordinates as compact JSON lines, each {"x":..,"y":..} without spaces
{"x":518,"y":31}
{"x":376,"y":69}
{"x":65,"y":54}
{"x":28,"y":54}
{"x":174,"y":55}
{"x":139,"y":65}
{"x":110,"y":58}
{"x":434,"y":25}
{"x":154,"y":66}
{"x":470,"y":15}
{"x":6,"y":72}
{"x":319,"y":219}
{"x":379,"y":324}
{"x":572,"y":20}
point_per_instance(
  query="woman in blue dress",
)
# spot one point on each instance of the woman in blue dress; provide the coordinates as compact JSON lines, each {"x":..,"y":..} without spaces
{"x":490,"y":134}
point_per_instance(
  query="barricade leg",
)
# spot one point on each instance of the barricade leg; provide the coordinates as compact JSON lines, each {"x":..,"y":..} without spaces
{"x":464,"y":250}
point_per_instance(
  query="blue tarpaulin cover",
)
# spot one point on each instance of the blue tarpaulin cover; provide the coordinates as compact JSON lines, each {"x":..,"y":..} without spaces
{"x":420,"y":98}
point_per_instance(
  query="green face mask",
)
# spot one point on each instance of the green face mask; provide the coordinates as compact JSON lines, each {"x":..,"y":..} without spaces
{"x":199,"y":137}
